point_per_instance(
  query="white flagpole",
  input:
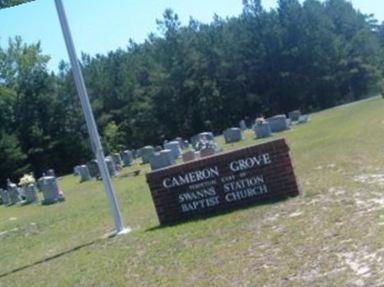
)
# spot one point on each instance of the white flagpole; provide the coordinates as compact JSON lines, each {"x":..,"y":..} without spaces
{"x":90,"y":120}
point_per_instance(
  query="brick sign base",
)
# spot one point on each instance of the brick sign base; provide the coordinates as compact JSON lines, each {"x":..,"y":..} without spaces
{"x":223,"y":182}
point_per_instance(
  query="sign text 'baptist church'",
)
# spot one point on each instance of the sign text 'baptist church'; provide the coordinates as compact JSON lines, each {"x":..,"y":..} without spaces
{"x":223,"y":182}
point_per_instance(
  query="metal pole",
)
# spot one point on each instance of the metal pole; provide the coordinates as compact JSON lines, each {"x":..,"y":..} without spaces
{"x":90,"y":120}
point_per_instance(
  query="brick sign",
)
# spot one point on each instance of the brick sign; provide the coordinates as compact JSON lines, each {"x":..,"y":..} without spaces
{"x":223,"y":182}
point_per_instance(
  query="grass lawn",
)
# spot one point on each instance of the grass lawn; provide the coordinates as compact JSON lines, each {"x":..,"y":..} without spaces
{"x":331,"y":235}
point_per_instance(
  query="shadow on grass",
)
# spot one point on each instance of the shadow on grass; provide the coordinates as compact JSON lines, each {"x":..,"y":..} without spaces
{"x":205,"y":216}
{"x":49,"y":258}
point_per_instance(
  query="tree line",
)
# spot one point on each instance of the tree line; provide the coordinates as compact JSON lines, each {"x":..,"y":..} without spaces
{"x":186,"y":79}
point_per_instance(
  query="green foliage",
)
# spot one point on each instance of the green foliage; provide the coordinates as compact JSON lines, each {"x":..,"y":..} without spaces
{"x":11,"y":157}
{"x":11,"y":3}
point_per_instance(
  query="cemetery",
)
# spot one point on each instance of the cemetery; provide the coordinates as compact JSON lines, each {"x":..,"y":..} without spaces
{"x":342,"y":238}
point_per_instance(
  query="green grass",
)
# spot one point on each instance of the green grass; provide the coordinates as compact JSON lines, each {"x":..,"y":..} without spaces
{"x":331,"y":235}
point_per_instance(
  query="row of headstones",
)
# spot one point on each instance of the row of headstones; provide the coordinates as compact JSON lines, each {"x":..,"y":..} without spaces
{"x":47,"y":185}
{"x":204,"y":144}
{"x":265,"y":127}
{"x":114,"y":164}
{"x":200,"y":146}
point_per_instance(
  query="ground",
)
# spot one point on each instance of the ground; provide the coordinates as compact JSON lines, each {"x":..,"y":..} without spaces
{"x":331,"y":235}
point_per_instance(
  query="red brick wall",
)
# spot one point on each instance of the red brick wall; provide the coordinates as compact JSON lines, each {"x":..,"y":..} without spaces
{"x":268,"y":177}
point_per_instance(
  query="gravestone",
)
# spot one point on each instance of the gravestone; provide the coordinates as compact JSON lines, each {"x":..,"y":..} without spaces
{"x":127,"y":158}
{"x":50,"y":190}
{"x":111,"y":166}
{"x":233,"y":135}
{"x":5,"y":197}
{"x":207,"y":136}
{"x":30,"y":193}
{"x":158,"y":148}
{"x":146,"y":153}
{"x":184,"y":144}
{"x":204,"y":136}
{"x":208,"y":151}
{"x":93,"y":168}
{"x":162,"y":159}
{"x":21,"y":193}
{"x":262,"y":130}
{"x":204,"y":140}
{"x":50,"y":172}
{"x":243,"y":125}
{"x":174,"y":147}
{"x":304,"y":119}
{"x":117,"y":160}
{"x":39,"y":184}
{"x":85,"y":175}
{"x":223,"y":182}
{"x":278,"y":123}
{"x":189,"y":156}
{"x":294,"y":115}
{"x":13,"y":194}
{"x":76,"y":170}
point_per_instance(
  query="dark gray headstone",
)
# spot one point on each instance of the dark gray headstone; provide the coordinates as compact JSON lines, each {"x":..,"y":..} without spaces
{"x":84,"y":173}
{"x":50,"y":190}
{"x":262,"y":130}
{"x":278,"y":123}
{"x":174,"y":147}
{"x":76,"y":170}
{"x":50,"y":172}
{"x":30,"y":192}
{"x":304,"y":119}
{"x":190,"y":155}
{"x":5,"y":197}
{"x":127,"y":158}
{"x":233,"y":135}
{"x":207,"y":152}
{"x":13,"y":193}
{"x":146,"y":153}
{"x":135,"y":154}
{"x":117,"y":160}
{"x":93,"y":168}
{"x":162,"y":159}
{"x":183,"y":144}
{"x":158,"y":148}
{"x":294,"y":115}
{"x":243,"y":125}
{"x":111,"y":166}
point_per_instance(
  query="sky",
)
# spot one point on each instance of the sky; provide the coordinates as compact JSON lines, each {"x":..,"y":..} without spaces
{"x":99,"y":26}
